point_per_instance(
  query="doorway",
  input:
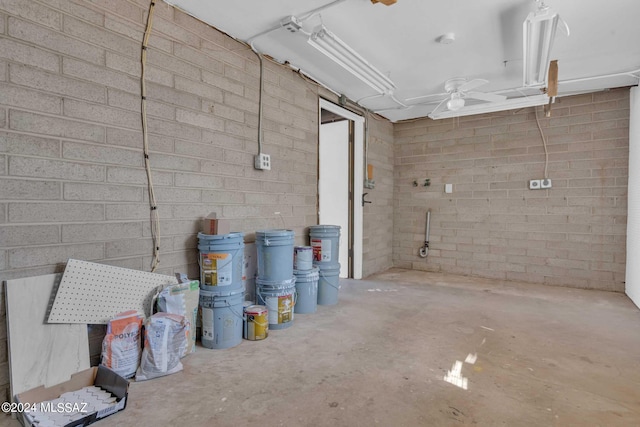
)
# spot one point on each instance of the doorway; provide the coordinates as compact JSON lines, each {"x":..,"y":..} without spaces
{"x":340,"y":177}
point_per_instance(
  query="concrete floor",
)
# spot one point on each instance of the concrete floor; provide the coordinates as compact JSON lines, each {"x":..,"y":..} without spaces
{"x":545,"y":357}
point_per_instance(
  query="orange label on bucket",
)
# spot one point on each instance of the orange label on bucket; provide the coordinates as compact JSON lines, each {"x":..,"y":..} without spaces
{"x":217,"y":256}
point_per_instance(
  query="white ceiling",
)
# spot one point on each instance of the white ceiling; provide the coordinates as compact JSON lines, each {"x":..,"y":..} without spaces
{"x":400,"y":40}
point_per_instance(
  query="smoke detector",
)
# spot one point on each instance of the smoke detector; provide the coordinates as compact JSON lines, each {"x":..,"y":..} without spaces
{"x":446,"y":38}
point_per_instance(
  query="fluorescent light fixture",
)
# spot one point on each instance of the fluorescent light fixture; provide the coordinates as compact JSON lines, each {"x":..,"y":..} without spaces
{"x":338,"y":51}
{"x":539,"y":31}
{"x":491,"y":107}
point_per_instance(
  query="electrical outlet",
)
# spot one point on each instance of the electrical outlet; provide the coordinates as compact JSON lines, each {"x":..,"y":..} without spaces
{"x":534,"y":184}
{"x":262,"y":161}
{"x":545,"y":183}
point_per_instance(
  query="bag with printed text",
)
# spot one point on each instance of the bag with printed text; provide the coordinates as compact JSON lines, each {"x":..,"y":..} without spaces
{"x":121,"y":344}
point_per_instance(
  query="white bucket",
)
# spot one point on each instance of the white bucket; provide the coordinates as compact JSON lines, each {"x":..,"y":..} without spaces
{"x":302,"y":258}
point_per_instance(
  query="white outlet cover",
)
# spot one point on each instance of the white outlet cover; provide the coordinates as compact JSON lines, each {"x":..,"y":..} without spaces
{"x":448,"y":188}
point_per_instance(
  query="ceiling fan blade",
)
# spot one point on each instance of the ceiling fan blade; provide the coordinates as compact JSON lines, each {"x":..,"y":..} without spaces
{"x":436,"y":96}
{"x":472,"y":84}
{"x":440,"y":107}
{"x":552,"y":90}
{"x":483,"y":96}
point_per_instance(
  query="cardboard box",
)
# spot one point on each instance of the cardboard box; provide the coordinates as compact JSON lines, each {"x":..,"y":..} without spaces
{"x":98,"y":376}
{"x":213,"y":225}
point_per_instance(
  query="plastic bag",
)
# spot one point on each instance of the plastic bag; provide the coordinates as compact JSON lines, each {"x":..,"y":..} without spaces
{"x":121,"y":344}
{"x":165,"y":340}
{"x":182,"y":299}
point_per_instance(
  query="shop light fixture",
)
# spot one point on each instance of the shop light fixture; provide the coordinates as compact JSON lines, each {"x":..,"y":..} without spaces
{"x":539,"y":32}
{"x":342,"y":54}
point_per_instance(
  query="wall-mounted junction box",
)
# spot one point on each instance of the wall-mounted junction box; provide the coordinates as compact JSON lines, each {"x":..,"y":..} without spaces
{"x":262,"y":161}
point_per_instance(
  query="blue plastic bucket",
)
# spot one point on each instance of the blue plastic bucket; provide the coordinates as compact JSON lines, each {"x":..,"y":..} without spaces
{"x":222,"y":319}
{"x":275,"y":254}
{"x":221,"y":261}
{"x":325,"y":241}
{"x":329,"y":285}
{"x":280,"y":298}
{"x":307,"y":290}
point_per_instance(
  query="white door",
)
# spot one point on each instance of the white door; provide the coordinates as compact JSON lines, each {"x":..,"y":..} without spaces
{"x":333,"y":185}
{"x":325,"y":173}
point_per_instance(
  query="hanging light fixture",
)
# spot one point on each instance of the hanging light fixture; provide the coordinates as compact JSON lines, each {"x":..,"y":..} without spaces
{"x":539,"y":31}
{"x":456,"y":102}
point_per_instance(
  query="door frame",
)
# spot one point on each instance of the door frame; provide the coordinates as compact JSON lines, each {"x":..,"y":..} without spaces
{"x":358,"y":177}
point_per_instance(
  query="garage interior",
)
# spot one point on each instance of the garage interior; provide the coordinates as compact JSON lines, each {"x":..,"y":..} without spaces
{"x":523,"y":310}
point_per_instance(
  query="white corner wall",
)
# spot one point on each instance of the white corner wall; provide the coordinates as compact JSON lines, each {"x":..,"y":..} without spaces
{"x":632,"y":283}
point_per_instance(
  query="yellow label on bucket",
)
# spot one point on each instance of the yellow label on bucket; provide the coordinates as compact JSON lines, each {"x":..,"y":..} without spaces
{"x":280,"y":309}
{"x":257,"y":325}
{"x":216,"y":269}
{"x":285,"y":309}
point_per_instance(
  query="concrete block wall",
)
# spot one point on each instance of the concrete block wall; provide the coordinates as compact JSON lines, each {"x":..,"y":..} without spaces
{"x":378,"y":215}
{"x":492,"y":225}
{"x":72,"y":182}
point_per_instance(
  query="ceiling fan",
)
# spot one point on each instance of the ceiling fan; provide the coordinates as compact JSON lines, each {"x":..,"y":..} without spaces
{"x":458,"y":90}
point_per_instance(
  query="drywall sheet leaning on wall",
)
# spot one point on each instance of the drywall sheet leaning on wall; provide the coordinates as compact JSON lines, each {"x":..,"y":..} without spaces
{"x":40,"y":353}
{"x":94,"y":293}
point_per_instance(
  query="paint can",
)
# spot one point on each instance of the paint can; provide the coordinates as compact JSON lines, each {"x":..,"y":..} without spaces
{"x":280,"y":298}
{"x":306,"y":290}
{"x":222,"y":319}
{"x":221,"y":261}
{"x":325,"y":241}
{"x":302,"y":258}
{"x":256,"y":323}
{"x":329,"y":285}
{"x":274,"y":254}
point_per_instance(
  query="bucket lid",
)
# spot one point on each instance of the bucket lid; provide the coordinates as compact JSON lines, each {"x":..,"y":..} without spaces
{"x":220,"y":293}
{"x":257,"y":309}
{"x":276,"y":283}
{"x":302,"y":273}
{"x":274,"y":233}
{"x":328,"y":268}
{"x":232,"y":235}
{"x":321,"y":227}
{"x":304,"y":248}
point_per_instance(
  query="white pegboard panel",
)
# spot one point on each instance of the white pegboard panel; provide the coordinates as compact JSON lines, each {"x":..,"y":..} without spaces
{"x":94,"y":293}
